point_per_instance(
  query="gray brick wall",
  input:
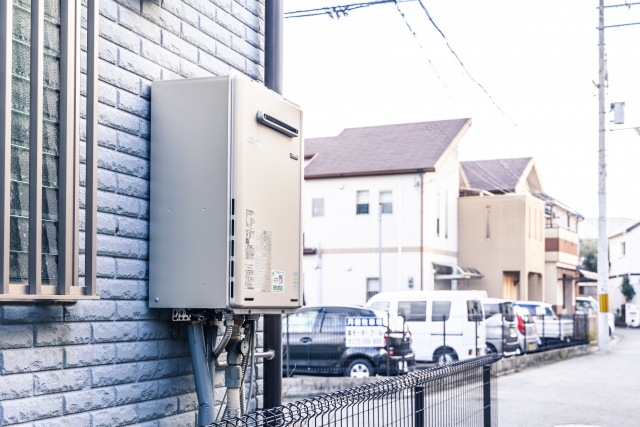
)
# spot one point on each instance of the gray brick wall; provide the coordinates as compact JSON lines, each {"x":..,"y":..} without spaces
{"x":114,"y":361}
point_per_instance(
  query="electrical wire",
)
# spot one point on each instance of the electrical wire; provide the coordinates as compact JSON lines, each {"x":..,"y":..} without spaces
{"x":444,"y":85}
{"x":462,"y":65}
{"x":338,"y":9}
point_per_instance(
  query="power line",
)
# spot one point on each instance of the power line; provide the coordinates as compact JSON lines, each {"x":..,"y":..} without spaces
{"x":339,"y":10}
{"x":444,"y":85}
{"x":461,"y":64}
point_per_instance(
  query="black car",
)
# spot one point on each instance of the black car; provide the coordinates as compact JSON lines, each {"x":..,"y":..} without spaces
{"x":314,"y":340}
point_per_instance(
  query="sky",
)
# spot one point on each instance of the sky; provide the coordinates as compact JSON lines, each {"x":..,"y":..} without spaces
{"x":537,"y":60}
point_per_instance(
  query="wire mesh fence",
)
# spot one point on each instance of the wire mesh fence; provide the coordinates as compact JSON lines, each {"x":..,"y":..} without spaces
{"x":462,"y":393}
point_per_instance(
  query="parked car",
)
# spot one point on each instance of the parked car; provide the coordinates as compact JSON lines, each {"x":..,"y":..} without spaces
{"x":501,"y":327}
{"x":315,"y":339}
{"x":589,"y":305}
{"x":528,"y":339}
{"x":549,"y":325}
{"x":445,"y":325}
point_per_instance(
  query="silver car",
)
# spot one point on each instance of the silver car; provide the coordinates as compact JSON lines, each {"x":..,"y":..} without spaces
{"x":501,"y":327}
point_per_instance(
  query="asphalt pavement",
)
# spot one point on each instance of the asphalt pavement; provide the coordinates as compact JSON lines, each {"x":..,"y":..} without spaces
{"x":595,"y":390}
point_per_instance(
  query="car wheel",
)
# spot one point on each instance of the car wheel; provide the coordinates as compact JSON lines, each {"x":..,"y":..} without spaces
{"x":491,"y":349}
{"x":447,"y":357}
{"x":360,"y":368}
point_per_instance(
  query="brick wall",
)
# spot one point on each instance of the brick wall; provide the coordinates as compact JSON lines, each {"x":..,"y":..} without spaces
{"x":115,"y":361}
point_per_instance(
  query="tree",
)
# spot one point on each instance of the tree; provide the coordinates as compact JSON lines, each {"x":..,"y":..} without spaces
{"x":589,"y":254}
{"x":627,"y":289}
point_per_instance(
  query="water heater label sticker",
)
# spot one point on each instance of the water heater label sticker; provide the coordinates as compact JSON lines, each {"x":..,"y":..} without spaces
{"x":296,"y":281}
{"x":263,"y":261}
{"x":277,"y":281}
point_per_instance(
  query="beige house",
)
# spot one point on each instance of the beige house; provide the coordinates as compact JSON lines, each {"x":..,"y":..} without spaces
{"x":524,"y":242}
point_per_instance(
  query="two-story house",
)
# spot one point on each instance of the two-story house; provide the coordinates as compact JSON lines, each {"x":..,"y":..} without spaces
{"x":624,"y":260}
{"x":381,"y":211}
{"x":524,"y":241}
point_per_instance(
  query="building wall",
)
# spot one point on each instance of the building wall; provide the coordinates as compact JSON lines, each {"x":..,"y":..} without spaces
{"x":114,"y":361}
{"x":562,"y":249}
{"x":623,"y":264}
{"x":347,"y":243}
{"x":515,"y":243}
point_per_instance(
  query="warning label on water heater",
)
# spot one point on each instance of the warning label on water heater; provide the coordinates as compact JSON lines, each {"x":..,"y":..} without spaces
{"x":277,"y":281}
{"x":257,"y":258}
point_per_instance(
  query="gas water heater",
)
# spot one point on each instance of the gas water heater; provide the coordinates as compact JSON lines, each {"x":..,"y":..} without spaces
{"x":226,"y":180}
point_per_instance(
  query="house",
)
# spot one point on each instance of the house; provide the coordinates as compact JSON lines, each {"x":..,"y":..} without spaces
{"x":381,"y":212}
{"x":624,"y":260}
{"x":524,"y":241}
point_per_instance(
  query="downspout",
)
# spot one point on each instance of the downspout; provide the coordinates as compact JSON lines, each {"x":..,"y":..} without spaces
{"x":201,"y":374}
{"x":273,"y":50}
{"x":421,"y":228}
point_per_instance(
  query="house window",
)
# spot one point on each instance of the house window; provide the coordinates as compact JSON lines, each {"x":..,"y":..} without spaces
{"x":386,"y":202}
{"x":446,"y":214}
{"x":623,"y":248}
{"x":373,"y":287}
{"x":362,"y":202}
{"x":488,"y":233}
{"x":41,"y":120}
{"x":438,"y":213}
{"x":318,"y":207}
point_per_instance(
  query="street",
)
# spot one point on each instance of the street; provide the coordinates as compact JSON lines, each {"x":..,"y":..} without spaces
{"x":595,"y":390}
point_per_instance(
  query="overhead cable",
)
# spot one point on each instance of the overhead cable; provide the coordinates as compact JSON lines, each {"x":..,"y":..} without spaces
{"x":339,"y":10}
{"x":462,"y":65}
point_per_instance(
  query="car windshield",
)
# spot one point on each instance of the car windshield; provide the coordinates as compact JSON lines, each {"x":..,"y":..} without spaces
{"x":530,"y":308}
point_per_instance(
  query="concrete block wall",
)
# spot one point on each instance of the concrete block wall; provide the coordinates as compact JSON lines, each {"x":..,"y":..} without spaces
{"x":114,"y":361}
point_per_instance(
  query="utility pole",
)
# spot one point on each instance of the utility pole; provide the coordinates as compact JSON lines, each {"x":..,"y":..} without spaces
{"x":603,"y":259}
{"x":274,"y":17}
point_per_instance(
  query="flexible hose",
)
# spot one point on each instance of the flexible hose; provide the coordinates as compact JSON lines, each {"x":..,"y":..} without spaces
{"x":245,"y":362}
{"x":225,"y":340}
{"x":233,"y":403}
{"x":253,"y":362}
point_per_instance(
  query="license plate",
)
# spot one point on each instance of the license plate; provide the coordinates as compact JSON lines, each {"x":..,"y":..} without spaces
{"x":532,"y":346}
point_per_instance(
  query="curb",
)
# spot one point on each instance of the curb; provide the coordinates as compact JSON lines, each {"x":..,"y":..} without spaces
{"x":518,"y":363}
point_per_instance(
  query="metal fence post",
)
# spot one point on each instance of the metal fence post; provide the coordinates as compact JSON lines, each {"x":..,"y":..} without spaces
{"x":387,"y":343}
{"x":418,"y":406}
{"x":287,"y":353}
{"x":486,"y":394}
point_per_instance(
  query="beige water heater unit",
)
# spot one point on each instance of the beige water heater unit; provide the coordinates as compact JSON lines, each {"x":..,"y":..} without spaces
{"x":226,"y":182}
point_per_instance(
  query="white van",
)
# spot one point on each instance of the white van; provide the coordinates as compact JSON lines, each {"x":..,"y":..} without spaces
{"x":438,"y":316}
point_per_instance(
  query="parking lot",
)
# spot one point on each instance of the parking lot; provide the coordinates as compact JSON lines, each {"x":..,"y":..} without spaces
{"x":595,"y":390}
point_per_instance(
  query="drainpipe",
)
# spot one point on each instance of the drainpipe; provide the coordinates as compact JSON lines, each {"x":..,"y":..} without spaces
{"x":273,"y":17}
{"x":421,"y":228}
{"x":201,"y":374}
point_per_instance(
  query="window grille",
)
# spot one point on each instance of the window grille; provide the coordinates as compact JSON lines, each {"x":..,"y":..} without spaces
{"x":39,"y":149}
{"x":373,"y":287}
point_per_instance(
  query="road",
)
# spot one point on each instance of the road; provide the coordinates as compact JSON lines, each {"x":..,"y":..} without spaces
{"x":595,"y":390}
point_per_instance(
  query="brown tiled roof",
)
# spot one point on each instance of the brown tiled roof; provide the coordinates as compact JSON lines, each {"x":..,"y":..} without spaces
{"x":376,"y":150}
{"x":496,"y":175}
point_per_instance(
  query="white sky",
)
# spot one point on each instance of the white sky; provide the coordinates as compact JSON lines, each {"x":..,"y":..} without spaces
{"x":536,"y":59}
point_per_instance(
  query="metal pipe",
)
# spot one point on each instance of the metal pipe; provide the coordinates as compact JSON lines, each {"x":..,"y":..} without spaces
{"x":204,"y":388}
{"x":421,"y":229}
{"x":226,"y":337}
{"x":268,"y":355}
{"x":274,"y":17}
{"x":252,"y":355}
